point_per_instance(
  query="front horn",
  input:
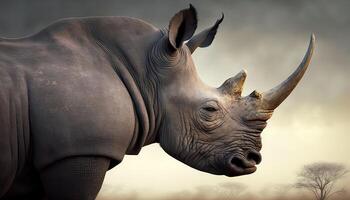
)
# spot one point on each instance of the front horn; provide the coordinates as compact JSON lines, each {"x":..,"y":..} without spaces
{"x":275,"y":96}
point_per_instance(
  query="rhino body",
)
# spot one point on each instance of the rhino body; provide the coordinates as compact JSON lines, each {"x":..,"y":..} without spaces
{"x":82,"y":93}
{"x":63,"y":94}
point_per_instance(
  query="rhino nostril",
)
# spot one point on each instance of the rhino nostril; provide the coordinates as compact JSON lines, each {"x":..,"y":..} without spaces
{"x":254,"y":156}
{"x":238,"y":162}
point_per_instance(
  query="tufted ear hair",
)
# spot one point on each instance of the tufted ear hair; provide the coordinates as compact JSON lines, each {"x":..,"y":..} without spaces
{"x":182,"y":27}
{"x":204,"y":38}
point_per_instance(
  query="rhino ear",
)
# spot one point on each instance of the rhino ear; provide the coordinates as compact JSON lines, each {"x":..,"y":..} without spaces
{"x":206,"y":37}
{"x":182,"y":27}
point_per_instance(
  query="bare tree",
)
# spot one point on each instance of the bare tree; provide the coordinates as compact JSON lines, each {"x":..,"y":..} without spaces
{"x":320,"y":178}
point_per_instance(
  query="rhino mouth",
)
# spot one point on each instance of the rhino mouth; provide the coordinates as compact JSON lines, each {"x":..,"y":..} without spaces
{"x":235,"y":171}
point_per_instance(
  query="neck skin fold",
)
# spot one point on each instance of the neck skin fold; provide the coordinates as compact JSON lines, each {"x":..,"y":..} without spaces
{"x":141,"y":84}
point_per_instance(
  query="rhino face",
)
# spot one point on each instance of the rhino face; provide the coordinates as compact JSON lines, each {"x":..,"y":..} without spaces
{"x":215,"y":130}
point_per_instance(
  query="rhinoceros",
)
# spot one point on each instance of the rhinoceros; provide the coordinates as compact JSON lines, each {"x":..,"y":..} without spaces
{"x":83,"y":92}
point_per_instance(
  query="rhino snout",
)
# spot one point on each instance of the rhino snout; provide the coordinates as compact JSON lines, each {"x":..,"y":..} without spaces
{"x":239,"y":165}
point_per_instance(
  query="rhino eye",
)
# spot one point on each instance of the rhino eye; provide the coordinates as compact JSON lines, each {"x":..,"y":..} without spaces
{"x":210,"y":106}
{"x":210,"y":109}
{"x":210,"y":116}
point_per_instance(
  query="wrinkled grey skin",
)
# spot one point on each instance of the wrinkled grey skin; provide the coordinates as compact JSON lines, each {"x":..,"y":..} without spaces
{"x":79,"y":95}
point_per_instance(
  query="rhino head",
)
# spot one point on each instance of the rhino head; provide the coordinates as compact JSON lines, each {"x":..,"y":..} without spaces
{"x":215,"y":130}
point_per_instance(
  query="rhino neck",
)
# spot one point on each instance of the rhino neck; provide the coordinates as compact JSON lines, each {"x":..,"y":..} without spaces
{"x":128,"y":55}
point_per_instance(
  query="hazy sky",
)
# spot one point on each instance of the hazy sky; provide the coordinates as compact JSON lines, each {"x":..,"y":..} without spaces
{"x":268,"y":39}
